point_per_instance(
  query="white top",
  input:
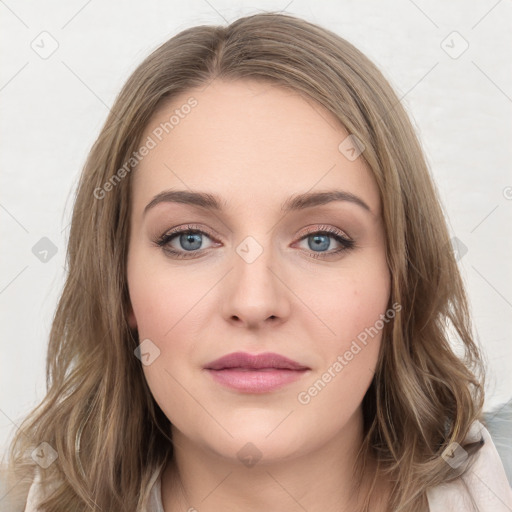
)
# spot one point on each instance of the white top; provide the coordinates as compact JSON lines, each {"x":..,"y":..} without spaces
{"x":486,"y":481}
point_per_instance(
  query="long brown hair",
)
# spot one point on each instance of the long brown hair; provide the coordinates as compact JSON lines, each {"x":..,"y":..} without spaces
{"x":99,"y":415}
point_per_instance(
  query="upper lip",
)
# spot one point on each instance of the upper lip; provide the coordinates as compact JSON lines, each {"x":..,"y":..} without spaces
{"x":245,"y":360}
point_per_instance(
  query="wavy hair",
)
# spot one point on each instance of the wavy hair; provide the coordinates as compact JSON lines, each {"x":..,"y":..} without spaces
{"x":98,"y":413}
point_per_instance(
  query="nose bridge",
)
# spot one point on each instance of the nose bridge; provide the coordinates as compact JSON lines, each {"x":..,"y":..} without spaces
{"x":255,"y":293}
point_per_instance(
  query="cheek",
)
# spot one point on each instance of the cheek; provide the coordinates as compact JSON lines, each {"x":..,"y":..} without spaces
{"x":167,"y":306}
{"x":163,"y":298}
{"x":350,"y":304}
{"x":353,"y":310}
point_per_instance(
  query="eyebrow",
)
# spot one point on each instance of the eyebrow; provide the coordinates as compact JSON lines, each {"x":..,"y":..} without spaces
{"x":293,"y":203}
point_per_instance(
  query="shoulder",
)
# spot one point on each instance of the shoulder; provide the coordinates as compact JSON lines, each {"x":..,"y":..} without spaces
{"x":14,"y":491}
{"x":485,"y":482}
{"x":24,"y":496}
{"x":30,"y":502}
{"x":35,"y":495}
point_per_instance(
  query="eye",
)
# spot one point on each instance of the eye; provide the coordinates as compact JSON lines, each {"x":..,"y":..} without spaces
{"x":320,"y":239}
{"x":183,"y":242}
{"x":188,"y":242}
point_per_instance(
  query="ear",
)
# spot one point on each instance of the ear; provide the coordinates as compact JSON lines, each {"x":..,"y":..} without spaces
{"x":132,"y":321}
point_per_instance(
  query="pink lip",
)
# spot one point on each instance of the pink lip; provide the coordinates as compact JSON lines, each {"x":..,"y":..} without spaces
{"x":259,"y":373}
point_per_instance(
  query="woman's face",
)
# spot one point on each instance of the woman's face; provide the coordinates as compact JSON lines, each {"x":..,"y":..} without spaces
{"x":275,"y":269}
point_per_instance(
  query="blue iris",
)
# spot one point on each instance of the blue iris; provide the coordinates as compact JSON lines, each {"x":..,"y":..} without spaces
{"x":323,"y":246}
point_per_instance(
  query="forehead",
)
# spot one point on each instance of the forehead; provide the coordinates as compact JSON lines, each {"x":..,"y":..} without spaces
{"x":248,"y":140}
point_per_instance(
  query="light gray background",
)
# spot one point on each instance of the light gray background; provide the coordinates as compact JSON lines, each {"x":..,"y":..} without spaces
{"x":53,"y":108}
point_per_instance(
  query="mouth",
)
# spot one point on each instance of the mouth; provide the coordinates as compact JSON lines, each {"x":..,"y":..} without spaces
{"x":259,"y":373}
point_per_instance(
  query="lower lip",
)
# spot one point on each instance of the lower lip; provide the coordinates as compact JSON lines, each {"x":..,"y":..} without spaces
{"x":256,"y":381}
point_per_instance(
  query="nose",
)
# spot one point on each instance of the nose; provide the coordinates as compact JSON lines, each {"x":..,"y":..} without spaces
{"x":256,"y":292}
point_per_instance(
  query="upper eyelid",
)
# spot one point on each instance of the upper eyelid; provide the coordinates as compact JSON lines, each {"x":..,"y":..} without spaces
{"x":309,"y":230}
{"x":330,"y":231}
{"x":326,"y":229}
{"x":185,"y":229}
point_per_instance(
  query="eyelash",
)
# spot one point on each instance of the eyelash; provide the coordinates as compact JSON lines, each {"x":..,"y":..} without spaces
{"x":165,"y":239}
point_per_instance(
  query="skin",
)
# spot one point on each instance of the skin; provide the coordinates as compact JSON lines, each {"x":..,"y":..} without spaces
{"x":255,"y":145}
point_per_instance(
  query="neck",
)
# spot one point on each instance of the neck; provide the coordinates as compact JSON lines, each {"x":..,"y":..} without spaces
{"x":198,"y":479}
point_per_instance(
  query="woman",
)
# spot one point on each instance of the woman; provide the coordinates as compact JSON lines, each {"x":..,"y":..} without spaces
{"x":260,"y":289}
